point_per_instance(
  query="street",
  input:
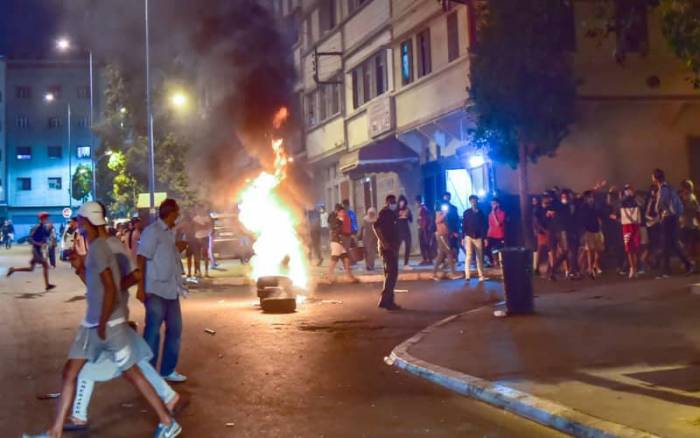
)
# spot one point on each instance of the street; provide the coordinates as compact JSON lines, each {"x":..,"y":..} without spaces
{"x":318,"y":372}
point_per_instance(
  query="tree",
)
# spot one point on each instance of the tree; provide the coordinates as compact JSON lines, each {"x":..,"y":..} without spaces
{"x":81,"y":183}
{"x":125,"y":186}
{"x":522,"y":88}
{"x":681,"y":28}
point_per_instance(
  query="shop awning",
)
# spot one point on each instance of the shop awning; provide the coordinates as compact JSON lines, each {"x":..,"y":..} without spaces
{"x":385,"y":155}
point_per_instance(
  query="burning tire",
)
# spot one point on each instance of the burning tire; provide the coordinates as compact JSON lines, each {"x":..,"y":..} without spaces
{"x":270,"y":292}
{"x":279,"y":305}
{"x":274,"y":281}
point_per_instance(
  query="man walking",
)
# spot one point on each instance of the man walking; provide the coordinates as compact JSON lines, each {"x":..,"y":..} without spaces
{"x":160,"y":287}
{"x":668,"y":208}
{"x":39,"y":239}
{"x":474,"y":229}
{"x":386,"y":228}
{"x":104,"y":329}
{"x":8,"y":234}
{"x":451,"y":219}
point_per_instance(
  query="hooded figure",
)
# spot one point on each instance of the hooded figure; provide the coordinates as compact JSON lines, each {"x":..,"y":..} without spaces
{"x":369,"y":238}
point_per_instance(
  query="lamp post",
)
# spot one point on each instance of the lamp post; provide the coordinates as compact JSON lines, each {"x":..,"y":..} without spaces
{"x":49,"y":98}
{"x":149,"y":115}
{"x":63,"y":44}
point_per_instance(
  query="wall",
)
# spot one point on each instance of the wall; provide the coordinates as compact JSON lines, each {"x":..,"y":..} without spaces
{"x":3,"y":131}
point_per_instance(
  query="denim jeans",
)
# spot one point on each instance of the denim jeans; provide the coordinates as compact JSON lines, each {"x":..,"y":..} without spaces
{"x":83,"y":391}
{"x":159,"y":311}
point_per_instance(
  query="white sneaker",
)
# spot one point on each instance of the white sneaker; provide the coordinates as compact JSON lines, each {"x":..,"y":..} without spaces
{"x":407,"y":268}
{"x":170,"y":431}
{"x":482,"y":279}
{"x":175,"y":377}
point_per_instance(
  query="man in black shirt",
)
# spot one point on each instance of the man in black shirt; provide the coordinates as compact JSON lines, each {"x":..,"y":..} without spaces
{"x":386,"y":228}
{"x":452,"y":222}
{"x":593,"y":242}
{"x":474,"y":228}
{"x":568,"y":235}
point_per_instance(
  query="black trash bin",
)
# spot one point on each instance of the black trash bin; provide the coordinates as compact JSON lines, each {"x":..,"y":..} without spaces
{"x":517,"y":279}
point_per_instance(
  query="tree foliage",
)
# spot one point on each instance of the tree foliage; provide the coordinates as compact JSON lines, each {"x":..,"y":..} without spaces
{"x":681,"y":27}
{"x":522,"y":88}
{"x":81,"y":183}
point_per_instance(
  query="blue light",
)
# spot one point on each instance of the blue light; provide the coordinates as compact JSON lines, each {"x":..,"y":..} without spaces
{"x":476,"y":161}
{"x":481,"y":193}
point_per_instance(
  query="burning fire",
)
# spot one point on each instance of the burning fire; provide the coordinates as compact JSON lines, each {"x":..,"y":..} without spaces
{"x":278,"y":248}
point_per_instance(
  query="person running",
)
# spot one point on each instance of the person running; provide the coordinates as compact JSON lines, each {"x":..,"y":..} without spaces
{"x":369,"y":237}
{"x":160,"y":288}
{"x":386,"y":228}
{"x":593,"y":240}
{"x":426,"y":230}
{"x":496,"y":235}
{"x":337,"y":222}
{"x":8,"y":234}
{"x":631,"y":220}
{"x":405,"y":218}
{"x":669,"y":207}
{"x":38,"y":239}
{"x":104,"y":329}
{"x":474,"y":226}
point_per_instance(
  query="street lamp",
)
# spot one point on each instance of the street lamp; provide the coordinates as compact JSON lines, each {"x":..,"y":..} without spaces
{"x":50,"y":98}
{"x":63,"y":44}
{"x":178,"y":100}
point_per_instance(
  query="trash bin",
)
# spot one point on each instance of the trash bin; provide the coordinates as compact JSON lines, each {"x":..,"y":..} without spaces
{"x":517,"y":280}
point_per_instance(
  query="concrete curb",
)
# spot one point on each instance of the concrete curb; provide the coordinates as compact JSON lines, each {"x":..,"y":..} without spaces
{"x":548,"y":413}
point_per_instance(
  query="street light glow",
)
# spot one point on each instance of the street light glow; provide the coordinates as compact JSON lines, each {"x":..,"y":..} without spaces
{"x":179,"y":100}
{"x":63,"y":44}
{"x":49,"y":97}
{"x":476,"y":161}
{"x":122,"y":110}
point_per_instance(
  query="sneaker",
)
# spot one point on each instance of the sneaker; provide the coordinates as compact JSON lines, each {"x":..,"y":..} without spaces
{"x":167,"y":431}
{"x":175,"y":377}
{"x":435,"y":278}
{"x":482,"y":279}
{"x":467,"y":278}
{"x":407,"y":268}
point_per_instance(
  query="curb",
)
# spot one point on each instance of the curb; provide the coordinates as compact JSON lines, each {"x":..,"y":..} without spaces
{"x":545,"y":412}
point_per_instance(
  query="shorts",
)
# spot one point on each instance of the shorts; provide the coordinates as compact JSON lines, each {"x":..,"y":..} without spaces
{"x":122,"y":345}
{"x":37,"y":256}
{"x":193,"y":248}
{"x":593,"y":241}
{"x":632,"y":237}
{"x":338,"y":251}
{"x":204,"y":247}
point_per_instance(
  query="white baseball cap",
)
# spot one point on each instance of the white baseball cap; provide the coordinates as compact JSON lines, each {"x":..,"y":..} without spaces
{"x":93,"y":212}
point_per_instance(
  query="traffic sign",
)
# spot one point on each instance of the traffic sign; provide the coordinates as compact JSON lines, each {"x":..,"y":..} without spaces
{"x":67,"y":213}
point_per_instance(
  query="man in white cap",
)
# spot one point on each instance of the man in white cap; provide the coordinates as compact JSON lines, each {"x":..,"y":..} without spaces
{"x":104,"y":329}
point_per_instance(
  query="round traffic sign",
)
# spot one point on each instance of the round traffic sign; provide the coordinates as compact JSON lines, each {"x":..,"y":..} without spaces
{"x":67,"y":213}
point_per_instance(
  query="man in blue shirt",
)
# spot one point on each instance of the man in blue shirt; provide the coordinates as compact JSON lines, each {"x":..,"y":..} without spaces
{"x":160,"y":287}
{"x":39,"y":239}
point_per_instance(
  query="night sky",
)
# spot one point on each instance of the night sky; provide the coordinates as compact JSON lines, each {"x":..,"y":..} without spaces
{"x":28,"y":27}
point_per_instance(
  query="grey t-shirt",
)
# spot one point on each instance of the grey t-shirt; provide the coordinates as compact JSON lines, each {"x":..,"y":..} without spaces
{"x":99,"y":258}
{"x":127,"y":265}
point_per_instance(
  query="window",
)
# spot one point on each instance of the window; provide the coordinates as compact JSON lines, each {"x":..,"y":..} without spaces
{"x":472,"y":23}
{"x":83,"y":92}
{"x":407,"y":62}
{"x":24,"y":184}
{"x":55,"y":183}
{"x":23,"y":92}
{"x":452,"y":37}
{"x":424,"y":62}
{"x":369,"y":79}
{"x":355,"y":4}
{"x":633,"y":32}
{"x":54,"y":122}
{"x":24,"y":152}
{"x":55,"y":152}
{"x":82,"y":122}
{"x":54,"y":90}
{"x":323,"y":103}
{"x":83,"y":151}
{"x":326,"y":13}
{"x":22,"y":122}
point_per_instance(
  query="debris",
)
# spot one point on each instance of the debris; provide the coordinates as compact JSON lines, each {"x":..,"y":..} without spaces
{"x":400,"y":291}
{"x":49,"y":396}
{"x":331,"y":302}
{"x":209,"y":331}
{"x":230,"y":424}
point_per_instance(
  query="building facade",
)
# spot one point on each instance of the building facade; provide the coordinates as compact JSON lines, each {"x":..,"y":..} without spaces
{"x":383,"y":86}
{"x":38,"y":159}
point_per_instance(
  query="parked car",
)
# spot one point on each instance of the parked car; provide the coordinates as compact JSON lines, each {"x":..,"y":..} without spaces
{"x":230,"y":239}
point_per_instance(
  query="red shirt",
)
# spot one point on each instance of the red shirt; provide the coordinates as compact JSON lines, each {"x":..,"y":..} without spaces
{"x":497,"y":224}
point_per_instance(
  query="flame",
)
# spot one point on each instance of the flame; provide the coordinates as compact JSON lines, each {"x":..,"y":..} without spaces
{"x":278,"y":248}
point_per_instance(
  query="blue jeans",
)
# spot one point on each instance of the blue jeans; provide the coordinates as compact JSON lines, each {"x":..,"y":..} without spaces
{"x":158,"y":311}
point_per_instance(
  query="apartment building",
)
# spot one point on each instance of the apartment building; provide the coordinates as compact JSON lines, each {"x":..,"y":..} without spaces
{"x":383,"y":86}
{"x":38,"y":161}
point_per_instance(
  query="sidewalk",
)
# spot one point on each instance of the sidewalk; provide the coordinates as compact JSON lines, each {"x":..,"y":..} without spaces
{"x":609,"y":360}
{"x":232,"y":272}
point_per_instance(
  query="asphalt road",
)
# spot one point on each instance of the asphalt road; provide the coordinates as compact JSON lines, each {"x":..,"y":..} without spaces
{"x":316,"y":373}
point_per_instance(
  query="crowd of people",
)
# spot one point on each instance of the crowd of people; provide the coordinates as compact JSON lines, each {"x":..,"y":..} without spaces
{"x":628,"y":231}
{"x":107,"y":345}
